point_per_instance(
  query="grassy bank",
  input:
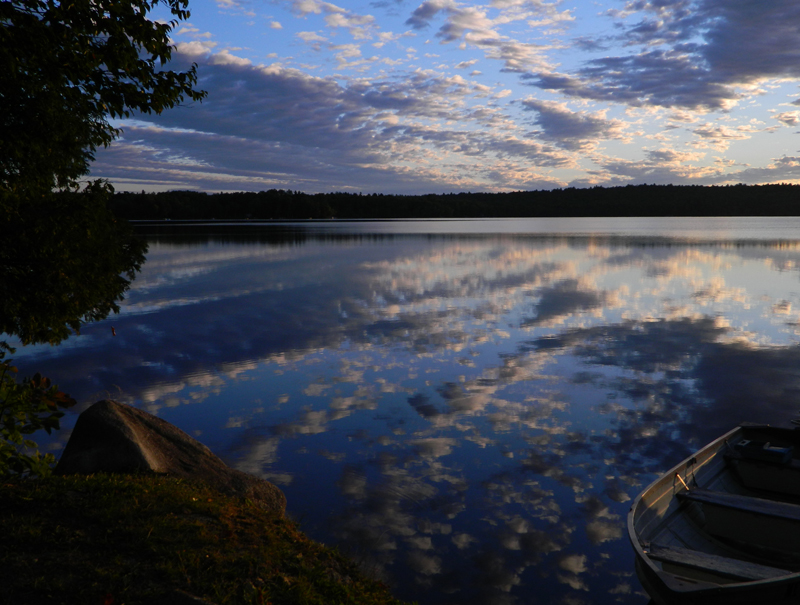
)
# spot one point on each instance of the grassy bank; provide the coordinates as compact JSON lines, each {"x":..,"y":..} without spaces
{"x":119,"y":539}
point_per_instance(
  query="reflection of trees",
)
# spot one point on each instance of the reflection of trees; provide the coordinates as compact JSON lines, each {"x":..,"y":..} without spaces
{"x":64,"y":260}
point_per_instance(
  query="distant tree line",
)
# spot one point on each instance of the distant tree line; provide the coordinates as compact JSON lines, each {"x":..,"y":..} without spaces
{"x":631,"y":200}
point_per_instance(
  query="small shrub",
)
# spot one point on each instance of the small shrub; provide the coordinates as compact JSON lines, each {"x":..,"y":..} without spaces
{"x":26,"y":407}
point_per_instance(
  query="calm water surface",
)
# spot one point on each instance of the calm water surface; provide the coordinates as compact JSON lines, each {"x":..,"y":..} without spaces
{"x":466,"y":407}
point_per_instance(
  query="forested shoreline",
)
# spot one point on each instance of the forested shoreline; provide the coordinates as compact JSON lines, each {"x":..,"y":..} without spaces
{"x":630,"y":200}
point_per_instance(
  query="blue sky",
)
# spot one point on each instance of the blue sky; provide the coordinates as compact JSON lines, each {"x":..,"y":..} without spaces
{"x":398,"y":96}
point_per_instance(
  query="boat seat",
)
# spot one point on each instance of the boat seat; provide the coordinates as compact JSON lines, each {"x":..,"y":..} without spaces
{"x":750,"y":504}
{"x":723,"y":566}
{"x":776,"y":476}
{"x":794,"y":463}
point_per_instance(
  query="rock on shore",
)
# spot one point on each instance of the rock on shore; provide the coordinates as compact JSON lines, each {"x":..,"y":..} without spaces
{"x":117,"y":438}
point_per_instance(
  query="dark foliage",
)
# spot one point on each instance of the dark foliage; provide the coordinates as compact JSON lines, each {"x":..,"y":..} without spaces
{"x":65,"y":68}
{"x":25,"y":408}
{"x":65,"y":260}
{"x":639,"y":200}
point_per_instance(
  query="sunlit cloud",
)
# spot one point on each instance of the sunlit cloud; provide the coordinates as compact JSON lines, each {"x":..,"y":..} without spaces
{"x":369,"y":99}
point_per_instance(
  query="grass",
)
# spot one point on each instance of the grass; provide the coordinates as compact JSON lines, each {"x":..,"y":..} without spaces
{"x":126,"y":539}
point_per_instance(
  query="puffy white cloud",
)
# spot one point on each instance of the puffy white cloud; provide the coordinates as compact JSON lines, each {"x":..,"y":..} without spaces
{"x":225,"y":57}
{"x":311,"y":37}
{"x":360,"y":26}
{"x":195,"y":48}
{"x":475,"y":27}
{"x":790,"y":118}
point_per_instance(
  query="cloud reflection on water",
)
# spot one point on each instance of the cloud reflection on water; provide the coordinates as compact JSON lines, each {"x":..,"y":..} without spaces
{"x":469,"y":416}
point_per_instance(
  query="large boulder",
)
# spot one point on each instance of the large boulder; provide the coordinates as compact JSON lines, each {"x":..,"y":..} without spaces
{"x":117,"y":438}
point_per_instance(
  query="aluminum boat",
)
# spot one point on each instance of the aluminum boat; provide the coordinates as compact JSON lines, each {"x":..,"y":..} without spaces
{"x":723,"y":526}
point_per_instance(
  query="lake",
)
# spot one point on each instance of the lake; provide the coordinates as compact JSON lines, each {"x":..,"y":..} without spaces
{"x":465,"y":407}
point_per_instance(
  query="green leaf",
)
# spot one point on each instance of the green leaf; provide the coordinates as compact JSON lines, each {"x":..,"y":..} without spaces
{"x":27,"y":407}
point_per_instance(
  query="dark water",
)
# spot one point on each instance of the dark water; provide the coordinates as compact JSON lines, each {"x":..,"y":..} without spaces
{"x":467,"y":407}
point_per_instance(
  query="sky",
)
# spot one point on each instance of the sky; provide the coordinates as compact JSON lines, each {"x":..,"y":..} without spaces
{"x":440,"y":96}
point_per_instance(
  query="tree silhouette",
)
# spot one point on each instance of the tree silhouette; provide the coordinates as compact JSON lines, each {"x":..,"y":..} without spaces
{"x":65,"y":69}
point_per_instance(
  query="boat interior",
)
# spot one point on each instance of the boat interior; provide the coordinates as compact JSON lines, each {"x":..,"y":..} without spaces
{"x":730,"y":514}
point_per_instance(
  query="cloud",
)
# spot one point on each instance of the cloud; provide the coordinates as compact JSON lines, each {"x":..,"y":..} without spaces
{"x":564,"y":299}
{"x":671,"y":156}
{"x":712,"y":131}
{"x":695,"y":54}
{"x":311,"y":37}
{"x":359,"y":26}
{"x":267,"y":126}
{"x":422,"y":406}
{"x":575,"y":564}
{"x":305,"y":7}
{"x":661,"y":166}
{"x":661,"y":78}
{"x":227,"y":3}
{"x":196,"y":48}
{"x":785,"y":169}
{"x":790,"y":118}
{"x":225,"y":57}
{"x":473,"y":25}
{"x":718,"y":136}
{"x":425,"y":12}
{"x":386,"y":37}
{"x":569,"y":129}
